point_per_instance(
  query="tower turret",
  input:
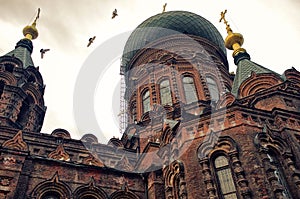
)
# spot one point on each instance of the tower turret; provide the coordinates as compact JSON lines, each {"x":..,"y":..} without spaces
{"x":21,"y":86}
{"x":245,"y":67}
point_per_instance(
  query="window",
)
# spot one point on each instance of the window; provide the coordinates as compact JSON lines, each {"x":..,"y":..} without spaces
{"x":51,"y":195}
{"x":189,"y":89}
{"x":27,"y":104}
{"x":225,"y":179}
{"x":213,"y":89}
{"x":165,"y":93}
{"x":2,"y":84}
{"x":279,"y":175}
{"x":146,"y":101}
{"x":88,"y":197}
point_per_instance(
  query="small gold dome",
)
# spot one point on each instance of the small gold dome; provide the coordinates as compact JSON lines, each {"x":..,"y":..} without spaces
{"x":30,"y":32}
{"x":233,"y":38}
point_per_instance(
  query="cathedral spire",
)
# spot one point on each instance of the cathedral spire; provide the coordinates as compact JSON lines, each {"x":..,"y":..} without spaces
{"x":30,"y":31}
{"x":24,"y":47}
{"x":245,"y":67}
{"x":233,"y":41}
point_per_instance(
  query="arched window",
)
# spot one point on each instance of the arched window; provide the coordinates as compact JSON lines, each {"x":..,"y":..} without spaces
{"x":24,"y":110}
{"x":213,"y":89}
{"x":2,"y":84}
{"x":165,"y":93}
{"x":279,"y":175}
{"x":88,"y":197}
{"x":146,"y":101}
{"x":225,"y":179}
{"x":51,"y":195}
{"x":189,"y":89}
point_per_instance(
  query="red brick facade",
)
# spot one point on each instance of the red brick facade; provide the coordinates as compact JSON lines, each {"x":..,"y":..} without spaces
{"x":236,"y":145}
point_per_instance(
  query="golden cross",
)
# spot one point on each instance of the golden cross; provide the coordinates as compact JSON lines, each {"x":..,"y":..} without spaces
{"x":164,"y":7}
{"x":38,"y":15}
{"x":225,"y":22}
{"x":223,"y":17}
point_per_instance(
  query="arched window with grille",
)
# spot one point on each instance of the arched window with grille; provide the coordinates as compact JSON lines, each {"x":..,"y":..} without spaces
{"x":165,"y":93}
{"x":146,"y":101}
{"x":279,"y":174}
{"x":224,"y":176}
{"x":213,"y":89}
{"x":189,"y":89}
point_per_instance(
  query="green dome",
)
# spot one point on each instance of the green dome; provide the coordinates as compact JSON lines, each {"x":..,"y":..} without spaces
{"x":168,"y":23}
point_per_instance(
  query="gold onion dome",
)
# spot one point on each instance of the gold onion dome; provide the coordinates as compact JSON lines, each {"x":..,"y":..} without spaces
{"x":30,"y":31}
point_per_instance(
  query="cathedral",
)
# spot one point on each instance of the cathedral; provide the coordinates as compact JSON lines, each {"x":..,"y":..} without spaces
{"x":192,"y":129}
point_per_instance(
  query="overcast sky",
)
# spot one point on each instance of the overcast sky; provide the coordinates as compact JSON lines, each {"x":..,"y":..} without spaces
{"x":271,"y":30}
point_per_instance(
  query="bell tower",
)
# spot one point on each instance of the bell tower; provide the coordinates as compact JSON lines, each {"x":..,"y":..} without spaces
{"x":21,"y":86}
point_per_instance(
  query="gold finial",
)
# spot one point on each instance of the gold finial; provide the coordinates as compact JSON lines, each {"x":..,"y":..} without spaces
{"x":30,"y":32}
{"x":233,"y":41}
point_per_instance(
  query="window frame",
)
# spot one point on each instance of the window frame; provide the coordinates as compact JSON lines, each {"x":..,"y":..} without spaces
{"x":227,"y":167}
{"x":169,"y":92}
{"x":214,"y":84}
{"x":188,"y":93}
{"x":146,"y":90}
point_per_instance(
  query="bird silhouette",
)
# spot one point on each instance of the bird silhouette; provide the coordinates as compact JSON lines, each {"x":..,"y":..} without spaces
{"x":91,"y":40}
{"x":164,"y":7}
{"x":43,"y":51}
{"x":114,"y":14}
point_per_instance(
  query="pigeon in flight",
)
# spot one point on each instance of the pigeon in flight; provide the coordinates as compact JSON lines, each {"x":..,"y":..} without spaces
{"x":91,"y":40}
{"x":114,"y":14}
{"x":43,"y":51}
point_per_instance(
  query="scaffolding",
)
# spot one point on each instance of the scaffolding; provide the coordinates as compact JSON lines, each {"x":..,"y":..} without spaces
{"x":123,"y":106}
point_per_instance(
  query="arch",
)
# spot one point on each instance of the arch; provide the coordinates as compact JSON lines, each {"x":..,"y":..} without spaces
{"x":220,"y":162}
{"x":292,"y":74}
{"x":123,"y":195}
{"x":278,"y":162}
{"x":25,"y":109}
{"x":258,"y":82}
{"x":175,"y":180}
{"x":225,"y":101}
{"x":224,"y":175}
{"x":273,"y":153}
{"x":61,"y":133}
{"x":8,"y":78}
{"x":276,"y":143}
{"x":36,"y":92}
{"x":2,"y":85}
{"x":35,"y":74}
{"x":90,"y":191}
{"x":53,"y":187}
{"x":115,"y":142}
{"x":166,"y":134}
{"x":89,"y":138}
{"x":11,"y":60}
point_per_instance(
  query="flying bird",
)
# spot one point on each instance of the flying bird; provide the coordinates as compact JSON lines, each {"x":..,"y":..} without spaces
{"x":114,"y":14}
{"x":164,"y":7}
{"x":91,"y":40}
{"x":43,"y":51}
